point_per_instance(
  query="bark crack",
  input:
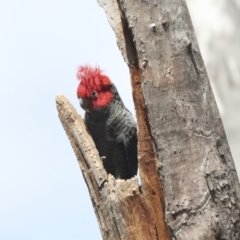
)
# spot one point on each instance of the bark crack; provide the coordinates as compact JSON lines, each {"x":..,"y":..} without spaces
{"x":131,"y":51}
{"x":202,"y":134}
{"x":198,"y":211}
{"x":190,"y":52}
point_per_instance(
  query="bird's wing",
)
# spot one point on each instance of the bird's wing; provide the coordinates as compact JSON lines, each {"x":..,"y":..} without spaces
{"x":129,"y":143}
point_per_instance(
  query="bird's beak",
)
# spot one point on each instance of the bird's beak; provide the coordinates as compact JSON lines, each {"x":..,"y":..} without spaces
{"x":84,"y":103}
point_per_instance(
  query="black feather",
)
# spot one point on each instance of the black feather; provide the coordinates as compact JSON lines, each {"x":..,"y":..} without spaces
{"x":114,"y":132}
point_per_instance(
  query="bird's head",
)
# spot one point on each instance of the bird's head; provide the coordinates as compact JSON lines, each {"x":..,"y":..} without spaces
{"x":94,"y":90}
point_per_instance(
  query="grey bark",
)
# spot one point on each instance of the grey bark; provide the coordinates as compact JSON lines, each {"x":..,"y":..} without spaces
{"x":182,"y":147}
{"x":219,"y":40}
{"x":195,"y":164}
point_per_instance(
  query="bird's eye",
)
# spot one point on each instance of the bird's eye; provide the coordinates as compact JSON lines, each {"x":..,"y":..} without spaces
{"x":93,"y":94}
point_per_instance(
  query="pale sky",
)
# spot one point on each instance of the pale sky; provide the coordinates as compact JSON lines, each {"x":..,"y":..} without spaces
{"x":42,"y":193}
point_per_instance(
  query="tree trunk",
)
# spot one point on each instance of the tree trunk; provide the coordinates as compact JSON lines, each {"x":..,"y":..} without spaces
{"x":189,"y":186}
{"x":219,"y":40}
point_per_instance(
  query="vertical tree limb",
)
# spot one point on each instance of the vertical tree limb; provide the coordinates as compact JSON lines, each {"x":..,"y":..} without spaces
{"x":222,"y":59}
{"x":194,"y":161}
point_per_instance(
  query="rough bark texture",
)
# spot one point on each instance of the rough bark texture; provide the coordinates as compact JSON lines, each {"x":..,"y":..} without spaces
{"x":151,"y":186}
{"x":219,"y":40}
{"x":187,"y":173}
{"x":194,"y":161}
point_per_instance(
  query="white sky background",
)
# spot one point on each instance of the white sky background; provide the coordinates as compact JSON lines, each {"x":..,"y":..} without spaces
{"x":43,"y":195}
{"x":42,"y":191}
